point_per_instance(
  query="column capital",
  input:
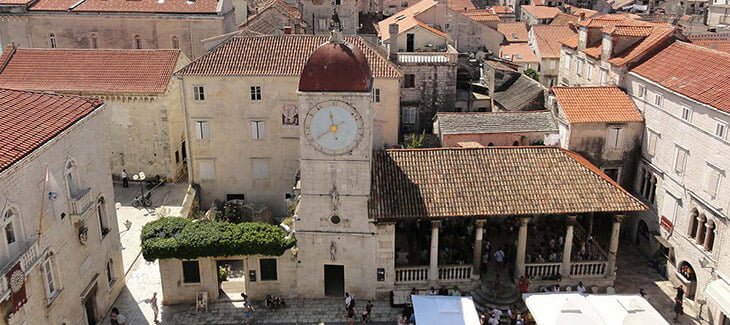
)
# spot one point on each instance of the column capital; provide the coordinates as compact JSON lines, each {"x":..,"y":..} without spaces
{"x":435,"y":223}
{"x":524,"y":221}
{"x":617,"y":218}
{"x":480,"y":223}
{"x":570,"y":220}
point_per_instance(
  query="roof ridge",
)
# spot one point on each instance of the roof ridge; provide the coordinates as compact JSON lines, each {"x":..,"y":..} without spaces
{"x":59,"y":49}
{"x":499,"y":112}
{"x":471,"y":148}
{"x":52,"y":93}
{"x":702,"y":48}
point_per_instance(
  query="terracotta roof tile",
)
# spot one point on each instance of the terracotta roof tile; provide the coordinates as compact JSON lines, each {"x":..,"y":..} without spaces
{"x":628,"y":30}
{"x":563,"y":19}
{"x":89,"y":71}
{"x":30,"y":119}
{"x":548,"y":39}
{"x":513,"y":32}
{"x":596,"y":105}
{"x":148,"y":6}
{"x":282,"y":55}
{"x":541,"y":12}
{"x":460,"y":5}
{"x":659,"y":37}
{"x":501,"y":10}
{"x":693,"y":71}
{"x":518,"y":53}
{"x":406,"y":18}
{"x":481,"y":15}
{"x":485,"y":182}
{"x":431,"y":29}
{"x":715,"y":41}
{"x":593,"y":51}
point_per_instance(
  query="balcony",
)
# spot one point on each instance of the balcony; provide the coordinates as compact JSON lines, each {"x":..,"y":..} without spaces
{"x":79,"y":203}
{"x":446,"y":274}
{"x":28,"y":258}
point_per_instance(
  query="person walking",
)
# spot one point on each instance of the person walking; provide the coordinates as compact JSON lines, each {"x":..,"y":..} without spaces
{"x":680,"y":292}
{"x":117,"y":317}
{"x":125,"y":178}
{"x":499,"y":258}
{"x":153,"y":304}
{"x":366,"y":313}
{"x":247,"y":309}
{"x":678,"y":309}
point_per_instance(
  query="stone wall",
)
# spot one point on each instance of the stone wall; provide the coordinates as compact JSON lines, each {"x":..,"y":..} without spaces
{"x":496,"y":139}
{"x":435,"y":91}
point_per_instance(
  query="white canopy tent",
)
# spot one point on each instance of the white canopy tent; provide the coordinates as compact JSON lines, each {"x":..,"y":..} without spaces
{"x":566,"y":308}
{"x":439,"y":310}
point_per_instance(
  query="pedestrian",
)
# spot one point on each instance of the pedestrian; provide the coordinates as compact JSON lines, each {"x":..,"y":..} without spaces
{"x":349,"y":301}
{"x":366,"y":312}
{"x":643,"y":293}
{"x":125,"y":178}
{"x":248,"y":309}
{"x":678,"y":309}
{"x":351,"y":315}
{"x":680,"y":292}
{"x":499,"y":258}
{"x":153,"y":304}
{"x":432,"y":291}
{"x":580,"y":288}
{"x":117,"y":317}
{"x":523,"y":284}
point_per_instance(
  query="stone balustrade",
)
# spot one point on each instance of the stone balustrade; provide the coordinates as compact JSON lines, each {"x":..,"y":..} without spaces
{"x":80,"y":203}
{"x":460,"y":272}
{"x":411,"y":274}
{"x":588,"y":269}
{"x":542,"y":270}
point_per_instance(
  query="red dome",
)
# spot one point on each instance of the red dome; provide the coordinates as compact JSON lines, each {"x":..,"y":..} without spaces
{"x":336,"y":67}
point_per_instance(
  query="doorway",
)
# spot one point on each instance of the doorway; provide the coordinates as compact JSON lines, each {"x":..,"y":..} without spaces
{"x":410,"y":42}
{"x":334,"y":280}
{"x":90,"y":307}
{"x":231,"y":278}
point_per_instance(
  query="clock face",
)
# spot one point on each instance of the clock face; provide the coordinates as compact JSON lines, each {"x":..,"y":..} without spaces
{"x":333,"y":127}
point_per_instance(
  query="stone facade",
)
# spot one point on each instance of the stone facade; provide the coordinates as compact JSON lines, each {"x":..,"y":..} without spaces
{"x":680,"y":192}
{"x":79,"y":270}
{"x":591,"y":72}
{"x":718,"y":13}
{"x":433,"y":90}
{"x":318,"y":15}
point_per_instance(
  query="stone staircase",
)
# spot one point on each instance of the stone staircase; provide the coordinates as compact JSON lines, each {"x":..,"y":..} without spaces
{"x":505,"y":296}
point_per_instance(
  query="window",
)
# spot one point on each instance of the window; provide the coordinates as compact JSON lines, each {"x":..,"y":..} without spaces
{"x":206,"y":168}
{"x":72,"y":180}
{"x":670,"y":205}
{"x":258,"y":130}
{"x":202,"y":130}
{"x":191,"y":271}
{"x":338,"y":2}
{"x":53,"y":40}
{"x":552,"y":64}
{"x":10,"y":233}
{"x":579,"y":67}
{"x":137,"y":42}
{"x":566,"y":62}
{"x":651,"y":142}
{"x":175,"y":42}
{"x":199,"y":93}
{"x":603,"y":76}
{"x":101,"y":214}
{"x":376,"y":95}
{"x":720,"y":130}
{"x":50,"y":277}
{"x":679,"y":160}
{"x":589,"y":73}
{"x":613,"y":140}
{"x":640,"y":91}
{"x":714,"y":177}
{"x":94,"y":41}
{"x":322,"y":24}
{"x":268,"y":269}
{"x":110,"y":272}
{"x":647,"y":185}
{"x":686,"y":113}
{"x":409,"y":115}
{"x":658,"y":100}
{"x":255,"y":93}
{"x":260,"y":168}
{"x":409,"y":81}
{"x":613,"y":173}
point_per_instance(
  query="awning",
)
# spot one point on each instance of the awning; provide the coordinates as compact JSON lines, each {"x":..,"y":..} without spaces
{"x":719,"y":292}
{"x":438,"y":310}
{"x":663,"y":241}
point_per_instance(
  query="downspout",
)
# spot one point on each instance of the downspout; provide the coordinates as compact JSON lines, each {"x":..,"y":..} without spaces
{"x":183,"y":95}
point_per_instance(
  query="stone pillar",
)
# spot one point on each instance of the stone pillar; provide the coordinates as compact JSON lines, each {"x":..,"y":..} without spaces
{"x":477,"y":258}
{"x":709,"y":235}
{"x":589,"y":231}
{"x":567,"y":246}
{"x":521,"y":247}
{"x":613,"y":245}
{"x":700,"y":238}
{"x":433,"y":270}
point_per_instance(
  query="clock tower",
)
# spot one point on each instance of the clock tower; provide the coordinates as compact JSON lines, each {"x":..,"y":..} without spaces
{"x":337,"y":243}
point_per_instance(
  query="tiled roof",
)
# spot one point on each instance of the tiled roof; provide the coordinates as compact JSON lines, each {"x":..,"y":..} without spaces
{"x":596,"y":105}
{"x":513,"y":32}
{"x":460,"y":5}
{"x":485,"y":182}
{"x":88,"y":70}
{"x":14,"y":2}
{"x":30,"y":119}
{"x":715,"y":41}
{"x":406,"y":18}
{"x":277,"y":8}
{"x":563,"y":19}
{"x":147,"y":6}
{"x":548,"y":39}
{"x":501,"y":10}
{"x":602,"y":20}
{"x":628,"y":30}
{"x":541,"y":12}
{"x":518,"y":53}
{"x":481,"y":15}
{"x":282,"y":55}
{"x":431,"y":29}
{"x":496,"y":122}
{"x":693,"y":71}
{"x":659,"y":37}
{"x":521,"y":95}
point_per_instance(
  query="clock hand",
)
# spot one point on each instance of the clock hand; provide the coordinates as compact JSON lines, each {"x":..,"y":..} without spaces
{"x":323,"y":134}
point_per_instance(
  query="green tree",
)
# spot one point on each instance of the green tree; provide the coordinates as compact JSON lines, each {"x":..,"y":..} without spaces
{"x":414,"y":141}
{"x":532,"y":74}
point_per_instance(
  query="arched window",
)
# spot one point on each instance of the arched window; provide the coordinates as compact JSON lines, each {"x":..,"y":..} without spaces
{"x":175,"y":42}
{"x":693,"y":223}
{"x":137,"y":42}
{"x":94,"y":41}
{"x":700,"y":239}
{"x":72,"y":180}
{"x":53,"y":40}
{"x":709,"y":235}
{"x":101,"y":214}
{"x":10,"y":233}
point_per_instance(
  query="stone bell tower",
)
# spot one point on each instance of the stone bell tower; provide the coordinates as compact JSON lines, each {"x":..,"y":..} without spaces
{"x":335,"y":238}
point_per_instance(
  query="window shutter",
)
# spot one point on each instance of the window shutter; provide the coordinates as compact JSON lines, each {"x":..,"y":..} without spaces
{"x":713,"y":182}
{"x":669,"y":206}
{"x":262,"y":129}
{"x":679,"y":163}
{"x":254,"y":130}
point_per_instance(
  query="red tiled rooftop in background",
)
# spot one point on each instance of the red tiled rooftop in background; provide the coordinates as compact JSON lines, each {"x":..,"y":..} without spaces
{"x":30,"y":119}
{"x":513,"y":32}
{"x":481,"y":15}
{"x":151,"y":6}
{"x":548,"y":39}
{"x":596,"y":105}
{"x":88,"y":71}
{"x":541,"y":12}
{"x":693,"y":71}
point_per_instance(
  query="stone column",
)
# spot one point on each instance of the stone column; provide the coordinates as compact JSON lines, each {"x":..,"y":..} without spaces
{"x":589,"y":231}
{"x":433,"y":270}
{"x":613,"y":246}
{"x":709,"y":236}
{"x":521,"y":247}
{"x":567,"y":246}
{"x":477,"y":258}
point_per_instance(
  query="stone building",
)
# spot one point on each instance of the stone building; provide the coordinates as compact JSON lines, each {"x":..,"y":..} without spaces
{"x":520,"y":54}
{"x":537,"y":15}
{"x":61,"y":256}
{"x":545,"y":42}
{"x":607,"y":46}
{"x":145,"y":130}
{"x":142,"y":24}
{"x":496,"y":128}
{"x":685,"y":159}
{"x":319,"y":14}
{"x":718,"y":13}
{"x":607,"y":134}
{"x":242,"y":115}
{"x":276,"y":17}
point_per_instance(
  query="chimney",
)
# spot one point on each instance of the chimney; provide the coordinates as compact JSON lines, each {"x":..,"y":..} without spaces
{"x":393,"y":42}
{"x":582,"y":16}
{"x":287,"y":30}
